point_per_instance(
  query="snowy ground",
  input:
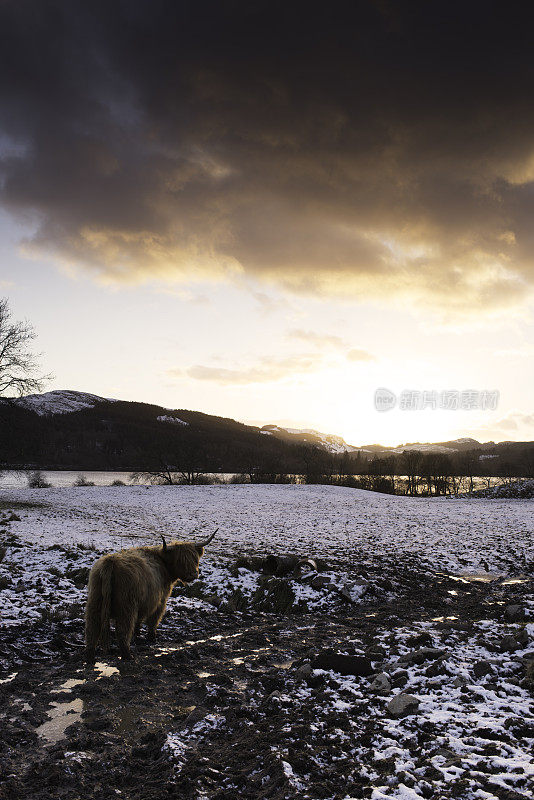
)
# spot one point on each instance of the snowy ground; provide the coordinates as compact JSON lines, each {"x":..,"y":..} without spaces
{"x":375,"y":532}
{"x":261,"y":720}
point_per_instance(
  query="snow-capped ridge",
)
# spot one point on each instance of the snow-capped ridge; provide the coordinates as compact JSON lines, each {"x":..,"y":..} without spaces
{"x":58,"y":401}
{"x":328,"y":441}
{"x":336,"y":444}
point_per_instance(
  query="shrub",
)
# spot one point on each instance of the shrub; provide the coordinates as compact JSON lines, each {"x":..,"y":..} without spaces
{"x":241,"y":478}
{"x":87,"y":546}
{"x":201,"y":479}
{"x":36,"y":480}
{"x":81,"y":481}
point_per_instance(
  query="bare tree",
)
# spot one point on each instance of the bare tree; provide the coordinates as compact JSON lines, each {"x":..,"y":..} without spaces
{"x":165,"y":475}
{"x":182,"y":462}
{"x":468,"y":464}
{"x":18,"y":365}
{"x":411,"y":463}
{"x":392,"y":470}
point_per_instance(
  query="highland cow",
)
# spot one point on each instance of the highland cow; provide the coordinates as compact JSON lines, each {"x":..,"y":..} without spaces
{"x":132,"y":587}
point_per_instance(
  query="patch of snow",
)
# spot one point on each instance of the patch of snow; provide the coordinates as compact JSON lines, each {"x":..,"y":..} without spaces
{"x":173,"y":420}
{"x":401,"y":792}
{"x":59,"y":401}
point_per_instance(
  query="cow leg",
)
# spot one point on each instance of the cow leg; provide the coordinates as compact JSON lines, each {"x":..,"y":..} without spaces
{"x":124,"y":629}
{"x":90,"y":655}
{"x":137,"y":634}
{"x":154,"y":620}
{"x":92,"y":628}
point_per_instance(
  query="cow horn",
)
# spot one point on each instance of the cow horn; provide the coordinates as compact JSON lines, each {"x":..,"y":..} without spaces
{"x":164,"y":542}
{"x":203,"y":544}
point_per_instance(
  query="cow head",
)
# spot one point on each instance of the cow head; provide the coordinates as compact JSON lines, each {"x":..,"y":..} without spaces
{"x":182,"y":558}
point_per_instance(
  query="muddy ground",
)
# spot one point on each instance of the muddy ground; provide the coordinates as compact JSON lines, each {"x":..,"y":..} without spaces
{"x":231,"y":704}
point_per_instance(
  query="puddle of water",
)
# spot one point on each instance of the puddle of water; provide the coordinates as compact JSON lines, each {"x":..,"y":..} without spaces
{"x":9,"y":678}
{"x":60,"y":717}
{"x":471,"y":577}
{"x":165,"y":651}
{"x":128,"y":719}
{"x":105,"y":670}
{"x":68,"y":686}
{"x":487,"y":577}
{"x":172,"y":648}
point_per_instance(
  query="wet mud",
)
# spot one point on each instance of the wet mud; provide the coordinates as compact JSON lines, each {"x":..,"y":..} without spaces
{"x":229,"y":705}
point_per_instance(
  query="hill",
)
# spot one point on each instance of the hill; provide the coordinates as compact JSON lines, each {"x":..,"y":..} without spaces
{"x":67,"y":429}
{"x":73,"y":430}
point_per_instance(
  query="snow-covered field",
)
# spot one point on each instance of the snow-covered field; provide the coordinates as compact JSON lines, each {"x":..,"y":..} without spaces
{"x":436,"y":641}
{"x":346,"y":527}
{"x":448,"y":533}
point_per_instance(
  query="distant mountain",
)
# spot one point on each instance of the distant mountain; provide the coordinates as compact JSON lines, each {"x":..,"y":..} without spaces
{"x":328,"y":442}
{"x":336,"y":444}
{"x":65,"y":401}
{"x":65,"y":429}
{"x":454,"y":446}
{"x":59,"y":401}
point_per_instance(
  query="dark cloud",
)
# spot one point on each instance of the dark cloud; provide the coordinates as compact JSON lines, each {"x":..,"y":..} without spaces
{"x":360,"y":148}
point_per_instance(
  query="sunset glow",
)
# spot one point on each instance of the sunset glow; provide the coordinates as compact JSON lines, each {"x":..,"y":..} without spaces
{"x":273,"y":243}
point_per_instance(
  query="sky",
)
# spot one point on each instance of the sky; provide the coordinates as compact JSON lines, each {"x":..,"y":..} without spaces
{"x":270,"y":210}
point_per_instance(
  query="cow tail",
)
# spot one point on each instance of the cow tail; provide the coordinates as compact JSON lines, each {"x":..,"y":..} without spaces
{"x":105,"y":609}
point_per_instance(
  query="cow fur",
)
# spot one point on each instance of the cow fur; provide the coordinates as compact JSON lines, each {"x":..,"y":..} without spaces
{"x":132,"y":587}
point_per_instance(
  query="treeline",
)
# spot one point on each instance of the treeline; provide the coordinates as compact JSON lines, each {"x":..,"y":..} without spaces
{"x":412,"y":472}
{"x":416,"y":472}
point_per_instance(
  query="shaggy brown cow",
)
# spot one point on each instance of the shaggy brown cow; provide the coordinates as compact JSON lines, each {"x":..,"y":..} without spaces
{"x":132,"y":587}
